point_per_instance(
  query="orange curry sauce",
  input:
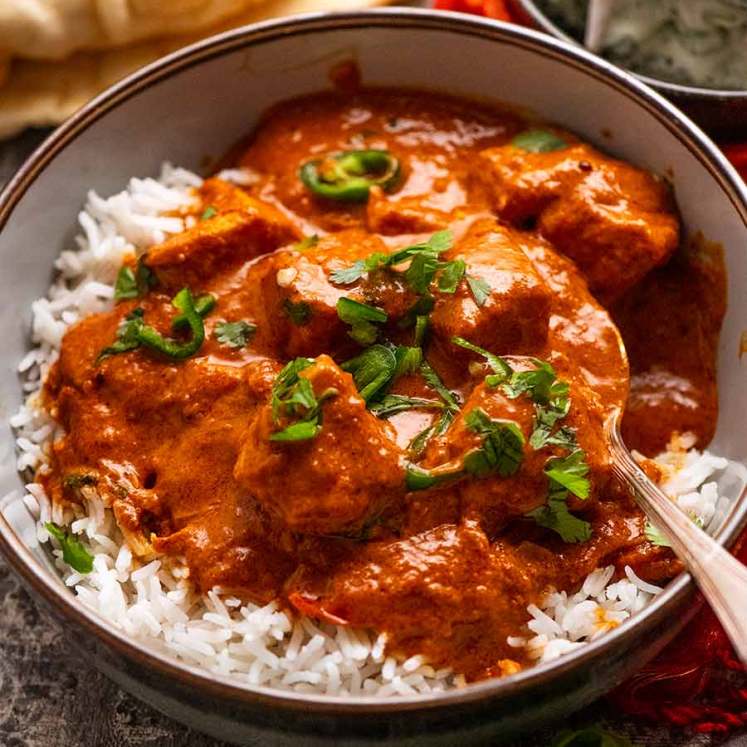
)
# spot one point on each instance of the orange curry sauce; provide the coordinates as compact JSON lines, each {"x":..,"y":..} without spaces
{"x":182,"y":450}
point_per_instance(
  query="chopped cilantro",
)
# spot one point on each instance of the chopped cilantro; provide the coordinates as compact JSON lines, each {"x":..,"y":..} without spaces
{"x":361,"y":317}
{"x":569,"y":474}
{"x":655,"y":536}
{"x":502,"y":446}
{"x":73,"y":552}
{"x":408,"y":359}
{"x":293,"y":398}
{"x":234,"y":334}
{"x":434,"y":382}
{"x":133,"y":283}
{"x":451,"y":275}
{"x":556,"y":516}
{"x":307,"y":242}
{"x":480,"y":289}
{"x":394,"y":403}
{"x":373,"y":370}
{"x":501,"y":368}
{"x":126,"y":285}
{"x":423,"y":265}
{"x":566,"y":475}
{"x":299,"y":312}
{"x":538,"y":141}
{"x":209,"y":212}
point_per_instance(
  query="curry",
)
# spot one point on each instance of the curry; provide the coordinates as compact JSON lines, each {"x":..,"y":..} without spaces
{"x":373,"y":383}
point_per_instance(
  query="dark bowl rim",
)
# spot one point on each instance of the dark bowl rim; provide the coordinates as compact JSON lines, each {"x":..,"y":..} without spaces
{"x":673,"y":89}
{"x":223,"y":687}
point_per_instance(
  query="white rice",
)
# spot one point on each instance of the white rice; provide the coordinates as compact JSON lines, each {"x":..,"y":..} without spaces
{"x":259,"y":645}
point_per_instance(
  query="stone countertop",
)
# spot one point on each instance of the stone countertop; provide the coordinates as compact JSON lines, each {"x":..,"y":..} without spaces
{"x":50,"y":698}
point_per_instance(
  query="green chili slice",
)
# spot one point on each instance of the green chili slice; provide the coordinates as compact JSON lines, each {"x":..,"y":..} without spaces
{"x":349,"y":176}
{"x":149,"y":337}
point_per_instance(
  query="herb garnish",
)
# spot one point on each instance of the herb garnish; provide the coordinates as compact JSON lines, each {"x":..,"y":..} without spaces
{"x":436,"y":244}
{"x":293,"y":398}
{"x":502,"y":446}
{"x":209,"y":212}
{"x":234,"y":334}
{"x":133,"y":332}
{"x":538,"y":141}
{"x":566,"y":475}
{"x":655,"y":536}
{"x":394,"y":403}
{"x":73,"y":552}
{"x":133,"y":283}
{"x":299,"y":313}
{"x":307,"y":242}
{"x":361,"y":317}
{"x":500,"y":452}
{"x":502,"y":370}
{"x":480,"y":289}
{"x":373,"y":370}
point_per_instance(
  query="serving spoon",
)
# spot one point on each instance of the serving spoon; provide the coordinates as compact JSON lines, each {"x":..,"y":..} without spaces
{"x":721,"y":577}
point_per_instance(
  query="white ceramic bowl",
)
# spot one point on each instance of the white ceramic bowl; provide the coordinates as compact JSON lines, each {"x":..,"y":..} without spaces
{"x":189,"y":108}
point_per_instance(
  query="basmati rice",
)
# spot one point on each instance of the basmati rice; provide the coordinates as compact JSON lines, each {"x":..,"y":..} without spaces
{"x":260,"y":645}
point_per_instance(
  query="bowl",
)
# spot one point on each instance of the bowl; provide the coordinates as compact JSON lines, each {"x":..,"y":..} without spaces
{"x":188,"y":108}
{"x":721,"y":112}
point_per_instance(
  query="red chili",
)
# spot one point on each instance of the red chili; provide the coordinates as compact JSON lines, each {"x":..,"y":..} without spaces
{"x":490,"y":8}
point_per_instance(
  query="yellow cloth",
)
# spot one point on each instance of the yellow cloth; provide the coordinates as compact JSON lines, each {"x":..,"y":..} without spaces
{"x":57,"y":54}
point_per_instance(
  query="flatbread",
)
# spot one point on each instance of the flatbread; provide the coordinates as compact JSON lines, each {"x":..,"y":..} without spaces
{"x":40,"y":93}
{"x":55,"y":29}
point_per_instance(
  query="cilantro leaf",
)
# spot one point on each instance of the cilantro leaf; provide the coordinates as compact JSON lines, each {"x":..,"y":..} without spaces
{"x":502,"y":446}
{"x":133,"y":283}
{"x":418,"y":444}
{"x":568,"y":474}
{"x":480,"y":289}
{"x":556,"y":516}
{"x":434,"y":382}
{"x":655,"y":536}
{"x":303,"y":430}
{"x":536,"y":382}
{"x":127,"y":335}
{"x":308,"y":242}
{"x":299,"y":312}
{"x":408,"y":359}
{"x":209,"y":212}
{"x":126,"y":285}
{"x":538,"y":141}
{"x":502,"y":369}
{"x":451,"y":275}
{"x":418,"y":478}
{"x":394,"y":403}
{"x":234,"y":334}
{"x":73,"y":551}
{"x":293,"y":398}
{"x":348,"y":275}
{"x":419,"y":275}
{"x":373,"y":370}
{"x":361,"y":317}
{"x":422,"y":268}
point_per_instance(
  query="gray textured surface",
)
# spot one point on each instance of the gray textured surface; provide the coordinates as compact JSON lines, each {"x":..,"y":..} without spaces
{"x":50,"y":698}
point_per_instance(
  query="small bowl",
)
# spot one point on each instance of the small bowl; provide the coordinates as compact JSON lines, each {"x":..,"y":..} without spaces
{"x":188,"y":108}
{"x":720,"y":112}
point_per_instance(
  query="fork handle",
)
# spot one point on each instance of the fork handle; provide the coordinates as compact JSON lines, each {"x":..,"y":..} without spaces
{"x":721,"y":577}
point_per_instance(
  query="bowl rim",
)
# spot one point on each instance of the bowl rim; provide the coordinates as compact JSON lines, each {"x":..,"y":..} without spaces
{"x":539,"y":17}
{"x":225,"y":687}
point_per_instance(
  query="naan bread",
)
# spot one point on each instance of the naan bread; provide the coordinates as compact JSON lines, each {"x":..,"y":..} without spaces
{"x":54,"y":29}
{"x":41,"y":93}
